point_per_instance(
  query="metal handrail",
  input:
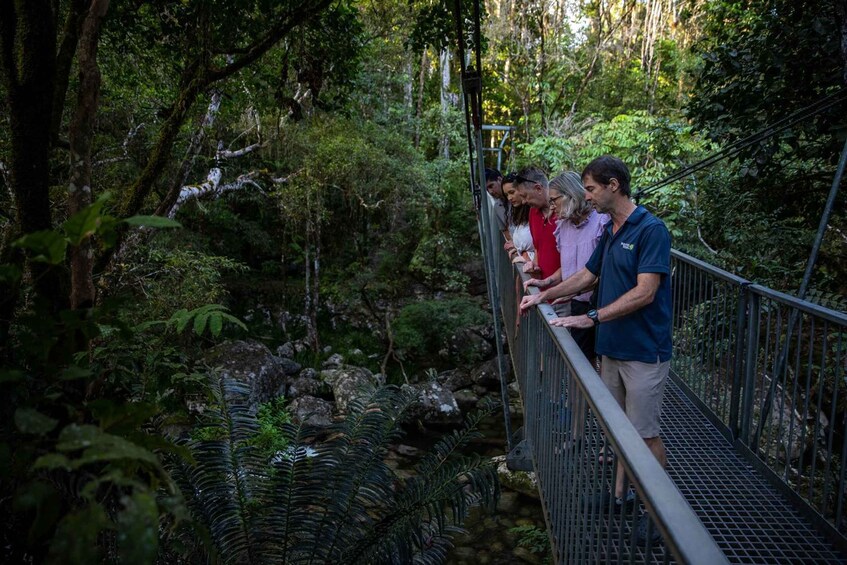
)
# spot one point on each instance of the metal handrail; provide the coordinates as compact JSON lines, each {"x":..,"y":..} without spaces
{"x":683,"y":531}
{"x":544,"y":357}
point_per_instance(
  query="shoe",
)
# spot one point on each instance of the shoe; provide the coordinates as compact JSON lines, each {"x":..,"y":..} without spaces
{"x":603,"y":500}
{"x":641,"y":537}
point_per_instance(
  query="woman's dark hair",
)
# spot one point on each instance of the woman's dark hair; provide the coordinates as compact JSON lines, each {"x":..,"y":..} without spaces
{"x":492,"y":174}
{"x":519,"y":215}
{"x":604,"y":169}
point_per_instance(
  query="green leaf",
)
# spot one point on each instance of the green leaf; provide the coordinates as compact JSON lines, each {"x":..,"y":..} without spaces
{"x":84,"y":223}
{"x":200,"y":323}
{"x":52,"y":461}
{"x":42,"y":498}
{"x":31,"y":421}
{"x":152,"y":222}
{"x":138,"y":529}
{"x":76,"y":537}
{"x":9,"y":274}
{"x":45,"y":246}
{"x":181,"y":317}
{"x":100,"y":446}
{"x":216,"y":324}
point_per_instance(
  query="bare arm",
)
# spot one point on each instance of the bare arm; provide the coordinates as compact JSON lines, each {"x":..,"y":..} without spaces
{"x":634,"y":299}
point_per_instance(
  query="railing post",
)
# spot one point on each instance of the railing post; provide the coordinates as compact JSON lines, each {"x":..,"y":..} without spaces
{"x":738,"y":368}
{"x":750,"y":364}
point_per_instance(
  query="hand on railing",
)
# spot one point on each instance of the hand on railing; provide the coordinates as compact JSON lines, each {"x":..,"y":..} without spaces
{"x":582,"y":321}
{"x":532,"y":282}
{"x":529,"y":301}
{"x":531,"y":267}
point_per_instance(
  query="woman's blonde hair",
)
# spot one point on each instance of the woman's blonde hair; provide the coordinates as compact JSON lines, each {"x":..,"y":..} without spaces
{"x":569,"y":184}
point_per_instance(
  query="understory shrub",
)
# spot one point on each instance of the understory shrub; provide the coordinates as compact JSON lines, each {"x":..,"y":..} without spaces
{"x":422,"y":329}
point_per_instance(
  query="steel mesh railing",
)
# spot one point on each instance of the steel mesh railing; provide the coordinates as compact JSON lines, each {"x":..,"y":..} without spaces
{"x":570,"y":418}
{"x":768,"y":369}
{"x":794,"y":397}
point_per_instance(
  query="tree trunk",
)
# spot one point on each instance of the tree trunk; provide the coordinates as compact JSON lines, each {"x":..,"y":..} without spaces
{"x":28,"y":63}
{"x":842,"y":8}
{"x":80,"y":136}
{"x":167,"y":204}
{"x":64,"y":62}
{"x":316,"y":285}
{"x":419,"y":109}
{"x":444,"y":60}
{"x":542,"y":68}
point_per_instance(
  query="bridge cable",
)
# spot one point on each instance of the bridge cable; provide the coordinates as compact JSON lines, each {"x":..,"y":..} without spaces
{"x":735,"y":148}
{"x":472,"y":99}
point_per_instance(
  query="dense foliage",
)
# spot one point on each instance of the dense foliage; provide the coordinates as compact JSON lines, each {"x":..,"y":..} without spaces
{"x":176,"y":174}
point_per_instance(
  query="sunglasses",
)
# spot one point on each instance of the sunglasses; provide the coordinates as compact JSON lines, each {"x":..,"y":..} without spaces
{"x":514,"y":178}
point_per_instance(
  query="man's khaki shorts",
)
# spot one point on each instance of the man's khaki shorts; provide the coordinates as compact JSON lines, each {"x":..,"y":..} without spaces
{"x":638,"y":388}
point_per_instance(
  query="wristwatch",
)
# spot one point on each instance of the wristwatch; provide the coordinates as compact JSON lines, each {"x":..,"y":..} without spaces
{"x":593,"y":315}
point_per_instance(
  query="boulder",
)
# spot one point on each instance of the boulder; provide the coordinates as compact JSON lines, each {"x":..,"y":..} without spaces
{"x":435,"y":404}
{"x":285,"y":350}
{"x":347,"y":383}
{"x":508,"y":502}
{"x":455,"y":379}
{"x":518,"y":481}
{"x":334,"y":361}
{"x":469,"y":346}
{"x":289,"y":366}
{"x":308,"y":385}
{"x":252,"y":363}
{"x":311,"y":410}
{"x":466,"y":399}
{"x":485,"y":374}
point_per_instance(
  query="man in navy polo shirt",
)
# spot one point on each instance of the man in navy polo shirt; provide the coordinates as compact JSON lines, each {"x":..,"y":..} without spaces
{"x":633,"y":315}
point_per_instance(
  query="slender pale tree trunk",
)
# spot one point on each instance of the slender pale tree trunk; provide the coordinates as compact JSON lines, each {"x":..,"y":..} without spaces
{"x":191,"y":153}
{"x":542,"y":65}
{"x":419,"y":109}
{"x":444,"y":60}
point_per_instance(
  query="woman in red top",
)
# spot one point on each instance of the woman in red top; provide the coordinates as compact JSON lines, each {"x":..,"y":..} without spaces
{"x":532,"y":182}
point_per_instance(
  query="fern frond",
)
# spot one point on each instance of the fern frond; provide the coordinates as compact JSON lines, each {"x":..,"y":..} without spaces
{"x":229,"y":481}
{"x":453,"y":442}
{"x":296,"y":486}
{"x":361,"y":482}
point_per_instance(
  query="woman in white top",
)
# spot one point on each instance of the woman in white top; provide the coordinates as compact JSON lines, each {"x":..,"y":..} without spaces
{"x":520,"y":248}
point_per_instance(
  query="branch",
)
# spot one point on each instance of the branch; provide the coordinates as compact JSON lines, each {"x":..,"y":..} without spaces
{"x":64,"y":63}
{"x":226,"y":154}
{"x":703,"y":241}
{"x":213,"y":186}
{"x":173,"y":194}
{"x":125,"y":147}
{"x":253,"y":52}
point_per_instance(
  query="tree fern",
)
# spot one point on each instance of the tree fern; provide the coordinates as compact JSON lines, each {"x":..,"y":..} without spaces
{"x":328,"y":501}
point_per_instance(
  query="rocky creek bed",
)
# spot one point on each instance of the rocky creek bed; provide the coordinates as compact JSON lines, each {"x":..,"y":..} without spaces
{"x":319,"y":395}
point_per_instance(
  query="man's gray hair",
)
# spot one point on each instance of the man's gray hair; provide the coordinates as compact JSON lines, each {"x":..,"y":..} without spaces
{"x":574,"y":205}
{"x":533,"y":174}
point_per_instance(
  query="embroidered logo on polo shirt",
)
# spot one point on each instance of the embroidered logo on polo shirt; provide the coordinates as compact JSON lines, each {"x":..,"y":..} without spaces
{"x":628,"y":246}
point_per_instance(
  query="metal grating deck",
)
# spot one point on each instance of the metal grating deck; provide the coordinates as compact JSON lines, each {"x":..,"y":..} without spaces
{"x":750,"y":520}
